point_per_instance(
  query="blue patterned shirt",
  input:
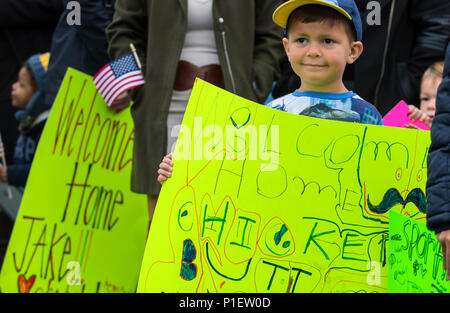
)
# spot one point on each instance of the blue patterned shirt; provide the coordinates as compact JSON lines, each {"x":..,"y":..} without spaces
{"x":346,"y":106}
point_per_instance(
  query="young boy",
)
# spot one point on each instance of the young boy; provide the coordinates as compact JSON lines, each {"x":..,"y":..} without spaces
{"x":322,"y":36}
{"x":429,"y":84}
{"x":27,"y":96}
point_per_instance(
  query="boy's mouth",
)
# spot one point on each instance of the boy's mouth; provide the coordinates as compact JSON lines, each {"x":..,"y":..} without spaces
{"x":314,"y":65}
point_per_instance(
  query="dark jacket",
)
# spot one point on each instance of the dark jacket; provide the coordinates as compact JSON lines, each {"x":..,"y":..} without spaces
{"x":412,"y":35}
{"x":438,"y":182}
{"x":248,"y":44}
{"x":24,"y":153}
{"x":26,"y":28}
{"x":83,"y":47}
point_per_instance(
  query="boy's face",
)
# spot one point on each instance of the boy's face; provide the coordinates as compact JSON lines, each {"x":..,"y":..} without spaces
{"x":318,"y":54}
{"x":428,"y":93}
{"x":22,"y":89}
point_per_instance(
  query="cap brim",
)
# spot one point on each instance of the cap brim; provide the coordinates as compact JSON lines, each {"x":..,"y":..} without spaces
{"x":281,"y":14}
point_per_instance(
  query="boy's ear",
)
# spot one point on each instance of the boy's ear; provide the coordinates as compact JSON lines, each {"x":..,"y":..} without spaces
{"x":286,"y":46}
{"x":356,"y":48}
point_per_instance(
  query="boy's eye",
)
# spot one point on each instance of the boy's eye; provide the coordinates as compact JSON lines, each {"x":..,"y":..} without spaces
{"x":328,"y":41}
{"x":302,"y":40}
{"x":425,"y":99}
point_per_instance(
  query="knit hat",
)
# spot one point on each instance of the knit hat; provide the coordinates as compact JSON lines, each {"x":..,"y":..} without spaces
{"x":39,"y":65}
{"x":347,"y":8}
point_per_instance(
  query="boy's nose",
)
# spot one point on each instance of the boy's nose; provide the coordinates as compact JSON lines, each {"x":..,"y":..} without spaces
{"x":314,"y":50}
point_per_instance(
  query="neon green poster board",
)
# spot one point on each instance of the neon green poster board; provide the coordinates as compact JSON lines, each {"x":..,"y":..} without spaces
{"x":79,"y":228}
{"x":415,"y":258}
{"x":266,"y":201}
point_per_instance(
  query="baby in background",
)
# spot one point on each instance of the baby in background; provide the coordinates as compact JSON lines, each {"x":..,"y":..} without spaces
{"x":431,"y":80}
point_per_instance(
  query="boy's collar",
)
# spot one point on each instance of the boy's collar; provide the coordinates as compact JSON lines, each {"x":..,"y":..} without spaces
{"x":323,"y":95}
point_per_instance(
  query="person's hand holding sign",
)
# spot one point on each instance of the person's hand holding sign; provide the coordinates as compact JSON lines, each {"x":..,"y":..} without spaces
{"x":165,"y":168}
{"x":444,"y":238}
{"x":121,"y":103}
{"x":416,"y":114}
{"x":3,"y":174}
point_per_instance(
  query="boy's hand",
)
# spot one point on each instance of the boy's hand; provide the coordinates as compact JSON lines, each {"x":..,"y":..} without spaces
{"x":165,"y":168}
{"x":444,"y":238}
{"x":121,"y":103}
{"x":3,"y":174}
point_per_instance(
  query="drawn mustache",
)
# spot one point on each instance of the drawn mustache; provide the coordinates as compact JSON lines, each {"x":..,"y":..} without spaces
{"x":392,"y":197}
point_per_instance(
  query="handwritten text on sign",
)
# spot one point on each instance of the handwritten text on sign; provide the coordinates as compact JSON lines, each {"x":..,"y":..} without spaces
{"x":310,"y":213}
{"x":79,"y":228}
{"x":415,"y":258}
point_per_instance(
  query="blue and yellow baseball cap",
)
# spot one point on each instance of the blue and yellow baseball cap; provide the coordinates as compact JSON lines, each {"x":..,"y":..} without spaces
{"x":347,"y":8}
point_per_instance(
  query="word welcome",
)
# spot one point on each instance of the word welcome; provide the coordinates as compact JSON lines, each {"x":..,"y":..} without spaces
{"x":90,"y":137}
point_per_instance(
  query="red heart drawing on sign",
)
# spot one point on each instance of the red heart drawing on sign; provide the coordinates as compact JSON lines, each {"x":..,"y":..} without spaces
{"x":24,"y":284}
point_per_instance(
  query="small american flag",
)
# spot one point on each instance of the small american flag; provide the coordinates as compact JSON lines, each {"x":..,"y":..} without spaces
{"x":117,"y":77}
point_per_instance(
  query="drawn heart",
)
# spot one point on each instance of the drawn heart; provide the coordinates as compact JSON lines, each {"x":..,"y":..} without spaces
{"x":24,"y":284}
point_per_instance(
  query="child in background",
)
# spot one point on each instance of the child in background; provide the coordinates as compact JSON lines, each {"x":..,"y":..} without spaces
{"x":431,"y":80}
{"x":322,"y":37}
{"x":28,"y":97}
